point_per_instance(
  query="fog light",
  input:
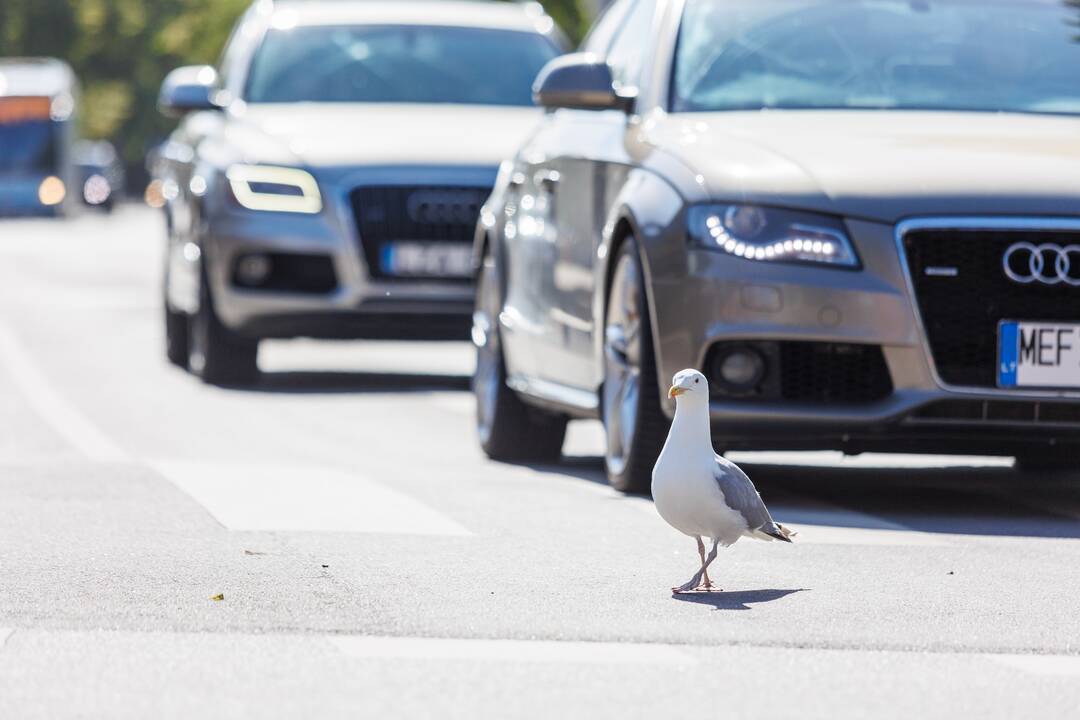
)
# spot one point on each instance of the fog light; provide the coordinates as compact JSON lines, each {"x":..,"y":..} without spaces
{"x":740,"y":369}
{"x":253,"y":270}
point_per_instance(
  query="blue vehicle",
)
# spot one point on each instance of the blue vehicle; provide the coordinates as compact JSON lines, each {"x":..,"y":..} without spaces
{"x":38,"y":99}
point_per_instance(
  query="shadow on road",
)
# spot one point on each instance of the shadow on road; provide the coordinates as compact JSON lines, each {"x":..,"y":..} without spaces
{"x":316,"y":383}
{"x":737,"y":600}
{"x":992,"y":501}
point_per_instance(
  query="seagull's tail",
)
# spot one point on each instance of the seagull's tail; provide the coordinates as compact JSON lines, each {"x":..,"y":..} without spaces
{"x":779,"y":532}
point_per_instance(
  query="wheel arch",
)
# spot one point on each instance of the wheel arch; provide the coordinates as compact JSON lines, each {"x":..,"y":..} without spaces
{"x":646,"y":202}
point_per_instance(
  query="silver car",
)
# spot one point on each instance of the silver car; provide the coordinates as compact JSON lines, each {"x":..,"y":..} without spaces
{"x":860,"y":219}
{"x":326,"y":179}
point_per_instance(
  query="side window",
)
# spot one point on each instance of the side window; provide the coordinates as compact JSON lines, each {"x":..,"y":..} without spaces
{"x":598,"y":41}
{"x":627,"y":54}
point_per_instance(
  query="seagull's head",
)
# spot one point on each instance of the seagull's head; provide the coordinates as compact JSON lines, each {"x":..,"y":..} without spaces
{"x":689,"y":383}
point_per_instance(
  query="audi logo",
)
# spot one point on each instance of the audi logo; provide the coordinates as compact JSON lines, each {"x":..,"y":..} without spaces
{"x":441,"y":207}
{"x":1047,"y":264}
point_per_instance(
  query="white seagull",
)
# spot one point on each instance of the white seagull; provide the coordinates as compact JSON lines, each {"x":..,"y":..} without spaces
{"x":699,"y":493}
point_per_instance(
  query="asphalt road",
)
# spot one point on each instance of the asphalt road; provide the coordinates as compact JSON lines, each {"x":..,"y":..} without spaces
{"x":373,"y":562}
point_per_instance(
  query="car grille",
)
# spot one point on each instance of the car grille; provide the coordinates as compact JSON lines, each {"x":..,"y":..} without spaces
{"x":811,"y":372}
{"x":960,"y":312}
{"x":438,"y":214}
{"x":833,"y":373}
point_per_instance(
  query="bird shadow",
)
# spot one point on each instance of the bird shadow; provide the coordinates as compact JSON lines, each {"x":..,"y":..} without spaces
{"x":737,"y":600}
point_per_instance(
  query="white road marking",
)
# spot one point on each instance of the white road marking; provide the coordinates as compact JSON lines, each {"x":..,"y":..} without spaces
{"x":828,"y":458}
{"x":1047,"y":665}
{"x":68,"y":421}
{"x":302,"y":498}
{"x":820,"y":523}
{"x":538,"y":651}
{"x":5,"y":633}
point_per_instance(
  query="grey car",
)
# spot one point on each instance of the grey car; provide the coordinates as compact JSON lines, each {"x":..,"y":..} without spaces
{"x":860,"y":219}
{"x":326,"y":177}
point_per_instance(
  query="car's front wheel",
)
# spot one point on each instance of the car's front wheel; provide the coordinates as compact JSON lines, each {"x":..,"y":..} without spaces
{"x":508,"y":429}
{"x":216,"y":354}
{"x":634,"y":422}
{"x":176,"y":337}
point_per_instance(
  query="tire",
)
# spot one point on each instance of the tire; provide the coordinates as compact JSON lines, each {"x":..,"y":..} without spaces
{"x":634,"y":422}
{"x":1058,"y":460}
{"x":215,"y":353}
{"x":176,"y":337}
{"x":508,"y":429}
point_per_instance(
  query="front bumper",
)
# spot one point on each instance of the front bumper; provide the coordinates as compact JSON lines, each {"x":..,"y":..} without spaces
{"x":718,"y":299}
{"x":359,"y":304}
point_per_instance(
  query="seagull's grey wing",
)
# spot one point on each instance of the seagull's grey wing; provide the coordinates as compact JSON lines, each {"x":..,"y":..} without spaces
{"x":743,"y":497}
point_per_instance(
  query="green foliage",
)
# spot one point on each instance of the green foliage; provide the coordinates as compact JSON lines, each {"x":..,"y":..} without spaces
{"x":122,"y":49}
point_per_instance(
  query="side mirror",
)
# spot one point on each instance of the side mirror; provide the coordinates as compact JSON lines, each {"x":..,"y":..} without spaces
{"x":579,"y":81}
{"x":189,"y":89}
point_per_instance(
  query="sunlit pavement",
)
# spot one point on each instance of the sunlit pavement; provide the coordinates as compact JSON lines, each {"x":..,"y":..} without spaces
{"x":371,"y":561}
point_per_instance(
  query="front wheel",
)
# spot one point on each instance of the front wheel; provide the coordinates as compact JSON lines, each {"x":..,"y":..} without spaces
{"x":216,"y":354}
{"x":176,"y":337}
{"x":634,"y":422}
{"x":508,"y":429}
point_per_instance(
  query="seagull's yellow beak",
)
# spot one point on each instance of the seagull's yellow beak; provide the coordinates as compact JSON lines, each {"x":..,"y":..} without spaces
{"x":675,"y":392}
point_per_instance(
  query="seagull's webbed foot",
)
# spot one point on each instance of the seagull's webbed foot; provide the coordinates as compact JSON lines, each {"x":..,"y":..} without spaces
{"x":688,"y":587}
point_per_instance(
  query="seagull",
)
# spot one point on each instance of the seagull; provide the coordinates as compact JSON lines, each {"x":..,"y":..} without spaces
{"x":699,"y":493}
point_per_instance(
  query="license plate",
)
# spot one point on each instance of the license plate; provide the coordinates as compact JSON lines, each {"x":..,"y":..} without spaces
{"x":1037,"y":354}
{"x":427,"y":259}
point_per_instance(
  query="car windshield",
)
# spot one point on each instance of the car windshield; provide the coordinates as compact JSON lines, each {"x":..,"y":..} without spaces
{"x":974,"y":55}
{"x":398,"y":64}
{"x":27,"y":147}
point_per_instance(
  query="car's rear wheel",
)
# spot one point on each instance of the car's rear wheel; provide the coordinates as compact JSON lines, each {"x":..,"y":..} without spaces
{"x":634,"y":422}
{"x":215,"y":353}
{"x":508,"y":429}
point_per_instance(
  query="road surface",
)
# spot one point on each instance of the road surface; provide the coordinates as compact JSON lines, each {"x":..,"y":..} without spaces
{"x":371,"y":562}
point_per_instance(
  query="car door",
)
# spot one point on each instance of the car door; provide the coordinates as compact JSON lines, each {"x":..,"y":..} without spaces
{"x":590,"y":161}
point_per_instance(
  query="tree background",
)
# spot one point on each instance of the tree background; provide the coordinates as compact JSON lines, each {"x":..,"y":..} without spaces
{"x":121,"y":50}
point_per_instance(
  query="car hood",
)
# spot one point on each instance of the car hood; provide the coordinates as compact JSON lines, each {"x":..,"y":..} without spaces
{"x":878,"y":165}
{"x":337,"y":135}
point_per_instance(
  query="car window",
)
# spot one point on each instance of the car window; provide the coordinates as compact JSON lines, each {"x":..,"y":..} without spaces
{"x":599,"y":39}
{"x":398,"y":64}
{"x":632,"y":42}
{"x":974,"y":55}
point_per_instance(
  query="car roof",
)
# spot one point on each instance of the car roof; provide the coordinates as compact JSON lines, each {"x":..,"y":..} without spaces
{"x":528,"y":17}
{"x":35,"y":77}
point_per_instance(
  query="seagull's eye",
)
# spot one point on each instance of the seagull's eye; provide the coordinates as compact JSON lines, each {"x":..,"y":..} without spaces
{"x":697,"y":380}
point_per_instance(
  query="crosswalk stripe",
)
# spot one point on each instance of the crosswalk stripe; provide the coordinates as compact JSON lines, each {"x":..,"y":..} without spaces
{"x":1046,"y":665}
{"x":64,"y":417}
{"x":282,"y":497}
{"x":539,"y":651}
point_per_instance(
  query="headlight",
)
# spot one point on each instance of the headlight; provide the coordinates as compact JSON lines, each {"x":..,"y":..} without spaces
{"x":771,"y":235}
{"x":274,"y":189}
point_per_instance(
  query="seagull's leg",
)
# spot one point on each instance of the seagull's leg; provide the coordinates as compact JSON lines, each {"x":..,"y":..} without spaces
{"x":695,"y":581}
{"x":705,"y":576}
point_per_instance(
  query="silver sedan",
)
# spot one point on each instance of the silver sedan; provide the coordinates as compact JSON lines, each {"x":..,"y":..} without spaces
{"x":860,"y":219}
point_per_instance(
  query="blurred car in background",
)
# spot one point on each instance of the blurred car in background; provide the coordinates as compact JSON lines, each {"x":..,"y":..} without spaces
{"x":101,"y":174}
{"x":326,"y":179}
{"x":861,"y":220}
{"x":37,"y":129}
